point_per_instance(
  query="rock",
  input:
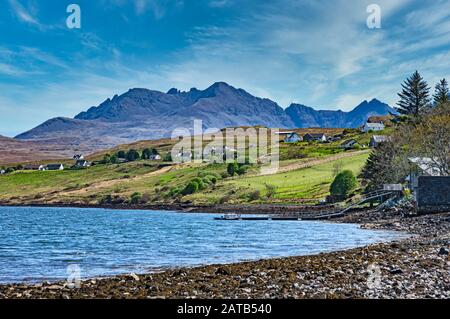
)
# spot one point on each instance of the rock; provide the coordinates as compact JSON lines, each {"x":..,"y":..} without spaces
{"x":396,"y":271}
{"x":134,"y":276}
{"x":443,"y":252}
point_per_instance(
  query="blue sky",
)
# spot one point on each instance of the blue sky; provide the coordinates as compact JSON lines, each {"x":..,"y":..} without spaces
{"x":315,"y":52}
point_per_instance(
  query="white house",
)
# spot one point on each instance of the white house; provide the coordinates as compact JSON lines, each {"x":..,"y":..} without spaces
{"x":82,"y":164}
{"x":2,"y":171}
{"x":349,"y":144}
{"x":155,"y":157}
{"x":290,"y":137}
{"x":374,"y":127}
{"x":318,"y":137}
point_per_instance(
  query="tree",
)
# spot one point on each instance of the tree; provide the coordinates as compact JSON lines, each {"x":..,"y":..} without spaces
{"x":146,"y":153}
{"x":121,"y":154}
{"x":343,"y":184}
{"x":133,"y":155}
{"x":114,"y":159}
{"x":382,"y":167}
{"x":415,"y":96}
{"x":232,"y":169}
{"x":442,"y":93}
{"x":106,"y":159}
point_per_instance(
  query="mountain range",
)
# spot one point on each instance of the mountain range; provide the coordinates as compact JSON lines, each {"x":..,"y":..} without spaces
{"x":147,"y":114}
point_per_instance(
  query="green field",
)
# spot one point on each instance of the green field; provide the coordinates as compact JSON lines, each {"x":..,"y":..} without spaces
{"x":311,"y":182}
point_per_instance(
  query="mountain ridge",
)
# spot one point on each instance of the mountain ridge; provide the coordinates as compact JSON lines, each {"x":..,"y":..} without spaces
{"x":140,"y":114}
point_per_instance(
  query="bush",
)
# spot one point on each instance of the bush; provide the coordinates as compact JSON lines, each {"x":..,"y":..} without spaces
{"x":255,"y":195}
{"x":136,"y":198}
{"x":343,"y":184}
{"x":191,"y":188}
{"x":243,"y":169}
{"x":271,"y":190}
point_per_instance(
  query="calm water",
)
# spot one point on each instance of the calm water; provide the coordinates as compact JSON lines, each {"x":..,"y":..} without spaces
{"x":40,"y":243}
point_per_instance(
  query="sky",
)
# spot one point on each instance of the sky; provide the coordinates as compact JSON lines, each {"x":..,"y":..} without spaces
{"x":319,"y":53}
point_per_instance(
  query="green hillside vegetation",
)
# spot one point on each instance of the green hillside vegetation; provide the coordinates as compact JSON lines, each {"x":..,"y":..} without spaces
{"x":160,"y":182}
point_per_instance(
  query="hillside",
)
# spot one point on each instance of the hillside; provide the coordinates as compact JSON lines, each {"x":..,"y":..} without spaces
{"x":142,"y":114}
{"x":17,"y":151}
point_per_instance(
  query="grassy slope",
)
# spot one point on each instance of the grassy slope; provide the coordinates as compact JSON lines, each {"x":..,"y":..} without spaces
{"x":92,"y":185}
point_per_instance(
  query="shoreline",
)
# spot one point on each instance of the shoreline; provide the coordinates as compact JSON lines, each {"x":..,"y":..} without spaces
{"x":416,"y":267}
{"x":244,"y":209}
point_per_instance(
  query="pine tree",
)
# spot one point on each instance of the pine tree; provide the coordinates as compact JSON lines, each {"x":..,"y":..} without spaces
{"x":415,"y":96}
{"x":442,"y":94}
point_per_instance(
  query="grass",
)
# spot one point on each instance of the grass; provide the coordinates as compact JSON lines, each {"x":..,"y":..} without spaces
{"x":311,"y":182}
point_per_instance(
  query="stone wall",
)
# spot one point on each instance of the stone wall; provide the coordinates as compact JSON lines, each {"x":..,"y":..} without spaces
{"x":433,"y":194}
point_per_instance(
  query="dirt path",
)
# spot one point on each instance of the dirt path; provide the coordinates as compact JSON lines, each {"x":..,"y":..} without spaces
{"x":311,"y":163}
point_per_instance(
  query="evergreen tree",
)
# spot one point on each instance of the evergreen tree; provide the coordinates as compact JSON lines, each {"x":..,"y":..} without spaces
{"x":380,"y":167}
{"x":343,"y":184}
{"x":442,"y":94}
{"x":415,"y":96}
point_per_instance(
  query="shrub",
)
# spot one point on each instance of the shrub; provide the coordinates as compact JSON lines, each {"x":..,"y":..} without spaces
{"x":243,"y":169}
{"x":136,"y":198}
{"x":343,"y":184}
{"x":271,"y":190}
{"x":255,"y":195}
{"x":190,"y":188}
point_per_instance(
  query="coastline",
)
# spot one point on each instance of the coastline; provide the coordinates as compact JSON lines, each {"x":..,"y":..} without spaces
{"x":244,"y":209}
{"x":416,"y":267}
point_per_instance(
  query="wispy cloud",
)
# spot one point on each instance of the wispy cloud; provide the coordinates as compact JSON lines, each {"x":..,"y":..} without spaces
{"x":23,"y":14}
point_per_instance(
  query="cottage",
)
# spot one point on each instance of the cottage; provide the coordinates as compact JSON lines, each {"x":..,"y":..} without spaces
{"x":78,"y":157}
{"x":290,"y":137}
{"x":349,"y":144}
{"x":155,"y":157}
{"x":376,"y":140}
{"x":318,"y":137}
{"x":55,"y":167}
{"x":82,"y":164}
{"x":34,"y":167}
{"x":2,"y":171}
{"x":374,"y":127}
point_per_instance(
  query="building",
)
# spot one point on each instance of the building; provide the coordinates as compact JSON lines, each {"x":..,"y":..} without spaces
{"x":349,"y":144}
{"x":155,"y":157}
{"x":315,"y":137}
{"x":290,"y":137}
{"x":55,"y":167}
{"x":373,"y":127}
{"x":78,"y":157}
{"x":2,"y":171}
{"x":376,"y":140}
{"x":34,"y":167}
{"x":82,"y":164}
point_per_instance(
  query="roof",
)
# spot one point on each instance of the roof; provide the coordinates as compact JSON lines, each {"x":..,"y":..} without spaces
{"x":427,"y":165}
{"x":374,"y":125}
{"x":54,"y":165}
{"x":353,"y":141}
{"x":315,"y":134}
{"x":285,"y":133}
